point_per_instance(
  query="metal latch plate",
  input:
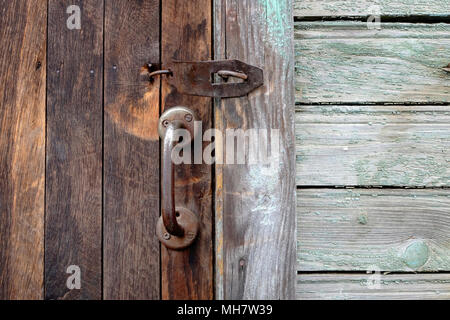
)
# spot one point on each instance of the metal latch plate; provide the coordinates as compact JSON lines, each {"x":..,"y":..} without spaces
{"x":195,"y":78}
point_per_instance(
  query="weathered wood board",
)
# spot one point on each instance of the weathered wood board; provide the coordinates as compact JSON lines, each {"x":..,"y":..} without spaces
{"x":131,"y":151}
{"x":255,"y":214}
{"x":389,"y":145}
{"x":344,"y":62}
{"x":73,"y":228}
{"x":355,"y":126}
{"x":370,"y":287}
{"x":384,"y":229}
{"x":186,"y":36}
{"x":345,"y":8}
{"x":22,"y":148}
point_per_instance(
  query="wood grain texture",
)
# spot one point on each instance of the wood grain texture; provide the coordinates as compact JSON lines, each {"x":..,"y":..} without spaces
{"x":131,"y":154}
{"x":73,"y":230}
{"x":186,"y":36}
{"x":347,"y":63}
{"x":255,"y":203}
{"x":388,"y":145}
{"x":345,"y":8}
{"x":384,"y":229}
{"x":22,"y":148}
{"x":219,"y":38}
{"x":366,"y":287}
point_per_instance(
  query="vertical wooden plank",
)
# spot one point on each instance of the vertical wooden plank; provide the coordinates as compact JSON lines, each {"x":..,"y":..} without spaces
{"x":74,"y":150}
{"x":255,"y":204}
{"x":22,"y":147}
{"x":186,"y":36}
{"x":219,"y":38}
{"x":131,"y":156}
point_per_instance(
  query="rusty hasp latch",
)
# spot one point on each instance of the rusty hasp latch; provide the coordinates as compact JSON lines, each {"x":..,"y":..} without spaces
{"x":195,"y":78}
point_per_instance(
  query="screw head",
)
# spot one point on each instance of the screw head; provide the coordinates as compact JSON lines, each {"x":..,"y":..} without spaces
{"x":165,"y":123}
{"x":166,"y":236}
{"x":188,"y":117}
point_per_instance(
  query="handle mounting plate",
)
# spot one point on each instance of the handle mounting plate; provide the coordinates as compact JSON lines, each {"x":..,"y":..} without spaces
{"x":188,"y":221}
{"x":181,"y":117}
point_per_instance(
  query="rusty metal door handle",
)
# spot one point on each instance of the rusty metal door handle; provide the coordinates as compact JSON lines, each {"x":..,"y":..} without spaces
{"x":177,"y":227}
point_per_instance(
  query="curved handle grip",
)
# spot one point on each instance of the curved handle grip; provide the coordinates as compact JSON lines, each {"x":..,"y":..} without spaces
{"x":167,"y":183}
{"x":227,"y":73}
{"x":177,"y":227}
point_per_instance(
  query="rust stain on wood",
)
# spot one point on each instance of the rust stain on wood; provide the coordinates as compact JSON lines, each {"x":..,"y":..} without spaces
{"x":137,"y":117}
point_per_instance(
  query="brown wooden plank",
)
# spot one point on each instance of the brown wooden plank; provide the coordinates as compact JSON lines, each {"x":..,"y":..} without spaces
{"x":22,"y":148}
{"x":373,"y":287}
{"x":131,"y":156}
{"x":393,"y":230}
{"x":255,"y":204}
{"x":186,"y":36}
{"x":74,"y":150}
{"x":345,"y":62}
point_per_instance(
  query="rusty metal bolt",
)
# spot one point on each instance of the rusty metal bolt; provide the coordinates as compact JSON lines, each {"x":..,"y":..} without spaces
{"x":447,"y":68}
{"x":166,"y":236}
{"x":188,"y":117}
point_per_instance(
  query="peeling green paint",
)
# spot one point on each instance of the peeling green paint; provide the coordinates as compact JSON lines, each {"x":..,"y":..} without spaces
{"x":279,"y":23}
{"x":363,"y":219}
{"x":416,"y":254}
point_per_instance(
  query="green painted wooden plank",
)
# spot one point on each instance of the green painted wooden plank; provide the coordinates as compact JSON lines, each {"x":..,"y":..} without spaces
{"x":373,"y":287}
{"x":373,"y":145}
{"x":346,"y":62}
{"x":376,"y":230}
{"x":315,"y":8}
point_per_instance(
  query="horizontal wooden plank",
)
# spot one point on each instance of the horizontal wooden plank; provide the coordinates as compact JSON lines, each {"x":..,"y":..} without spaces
{"x":348,"y":63}
{"x":390,"y":145}
{"x":373,"y":286}
{"x":326,"y":8}
{"x":377,"y":229}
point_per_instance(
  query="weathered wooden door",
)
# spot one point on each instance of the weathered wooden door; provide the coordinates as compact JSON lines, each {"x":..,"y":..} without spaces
{"x":80,"y":153}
